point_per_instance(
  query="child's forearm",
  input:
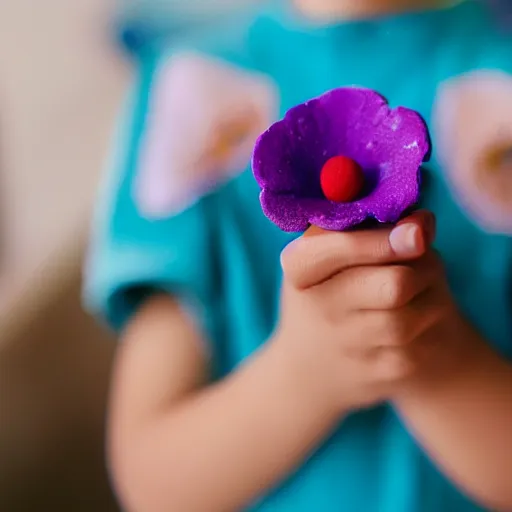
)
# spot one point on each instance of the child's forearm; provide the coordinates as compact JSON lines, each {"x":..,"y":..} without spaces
{"x":465,"y":424}
{"x":222,"y":447}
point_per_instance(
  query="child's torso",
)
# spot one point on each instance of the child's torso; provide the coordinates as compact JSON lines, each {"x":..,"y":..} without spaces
{"x":371,"y":463}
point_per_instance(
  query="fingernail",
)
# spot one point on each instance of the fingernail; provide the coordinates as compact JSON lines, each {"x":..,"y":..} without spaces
{"x":405,"y":239}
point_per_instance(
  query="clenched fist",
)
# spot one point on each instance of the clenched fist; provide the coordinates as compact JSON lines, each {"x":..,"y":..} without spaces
{"x":356,"y":307}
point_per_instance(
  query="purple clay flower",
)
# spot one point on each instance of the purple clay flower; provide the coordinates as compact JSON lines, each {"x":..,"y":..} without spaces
{"x":388,"y":144}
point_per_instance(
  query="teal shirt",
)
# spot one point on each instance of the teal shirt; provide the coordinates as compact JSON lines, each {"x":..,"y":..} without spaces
{"x":221,"y":255}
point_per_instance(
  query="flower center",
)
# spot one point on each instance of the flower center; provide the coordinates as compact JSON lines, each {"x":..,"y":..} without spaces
{"x":341,"y":179}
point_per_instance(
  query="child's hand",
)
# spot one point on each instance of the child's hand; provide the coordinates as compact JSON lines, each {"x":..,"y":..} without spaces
{"x":354,"y":306}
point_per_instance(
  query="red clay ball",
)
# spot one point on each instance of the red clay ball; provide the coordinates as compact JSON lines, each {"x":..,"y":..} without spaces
{"x":341,"y":179}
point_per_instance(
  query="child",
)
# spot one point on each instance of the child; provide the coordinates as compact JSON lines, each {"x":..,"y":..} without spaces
{"x":352,"y":371}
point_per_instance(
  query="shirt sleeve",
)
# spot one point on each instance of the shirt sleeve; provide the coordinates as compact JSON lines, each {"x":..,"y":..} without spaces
{"x":133,"y":255}
{"x":188,"y":128}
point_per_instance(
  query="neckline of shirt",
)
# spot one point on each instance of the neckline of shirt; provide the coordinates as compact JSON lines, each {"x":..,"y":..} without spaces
{"x":290,"y":18}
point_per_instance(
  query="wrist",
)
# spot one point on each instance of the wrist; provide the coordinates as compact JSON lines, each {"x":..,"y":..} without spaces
{"x":307,"y":378}
{"x":462,"y":355}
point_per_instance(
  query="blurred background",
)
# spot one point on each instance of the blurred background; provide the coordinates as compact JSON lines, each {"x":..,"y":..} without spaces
{"x":61,"y":82}
{"x":63,"y":74}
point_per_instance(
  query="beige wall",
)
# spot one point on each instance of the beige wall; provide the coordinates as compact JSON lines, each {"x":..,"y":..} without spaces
{"x":60,"y":86}
{"x":61,"y":83}
{"x":54,"y":371}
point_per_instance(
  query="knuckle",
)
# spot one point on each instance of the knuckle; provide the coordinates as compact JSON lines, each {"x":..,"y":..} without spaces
{"x":304,"y":261}
{"x":395,"y":289}
{"x":287,"y":260}
{"x":293,"y":262}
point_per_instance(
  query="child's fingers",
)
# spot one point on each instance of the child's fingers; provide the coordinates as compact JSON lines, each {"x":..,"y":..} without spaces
{"x":388,"y":287}
{"x":427,"y":220}
{"x":319,"y":254}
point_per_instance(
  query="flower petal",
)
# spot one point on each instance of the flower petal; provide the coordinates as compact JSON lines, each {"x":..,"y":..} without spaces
{"x":397,"y":191}
{"x":390,"y":145}
{"x":293,"y":215}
